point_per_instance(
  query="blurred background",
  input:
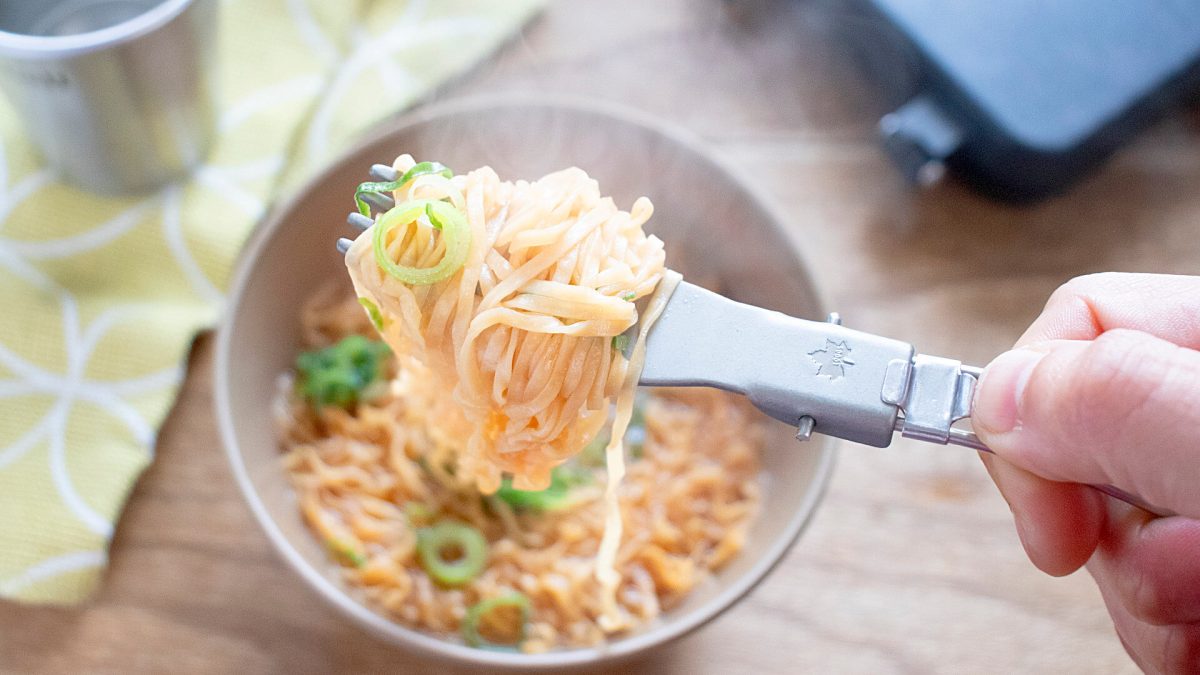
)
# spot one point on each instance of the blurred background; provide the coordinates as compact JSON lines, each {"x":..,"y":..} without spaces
{"x":912,"y":563}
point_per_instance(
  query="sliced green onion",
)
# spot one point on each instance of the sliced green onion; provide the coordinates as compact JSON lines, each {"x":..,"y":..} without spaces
{"x":456,"y":234}
{"x":556,"y":497}
{"x":452,"y":553}
{"x":373,"y":313}
{"x":346,"y":552}
{"x":422,"y":168}
{"x":419,"y":169}
{"x":620,"y":342}
{"x":628,"y":295}
{"x":341,"y":375}
{"x":479,"y":612}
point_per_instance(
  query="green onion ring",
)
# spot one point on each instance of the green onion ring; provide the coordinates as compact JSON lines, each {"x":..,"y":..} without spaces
{"x":470,"y":626}
{"x":373,"y":313}
{"x":456,"y":233}
{"x":419,"y":169}
{"x":469,"y":543}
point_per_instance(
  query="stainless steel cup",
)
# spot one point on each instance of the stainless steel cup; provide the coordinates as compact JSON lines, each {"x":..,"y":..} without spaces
{"x":117,"y":94}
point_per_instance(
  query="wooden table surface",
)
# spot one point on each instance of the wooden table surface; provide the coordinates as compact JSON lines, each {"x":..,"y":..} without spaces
{"x":911,"y":565}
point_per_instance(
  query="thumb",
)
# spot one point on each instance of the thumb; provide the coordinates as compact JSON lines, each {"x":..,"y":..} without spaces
{"x":1123,"y":409}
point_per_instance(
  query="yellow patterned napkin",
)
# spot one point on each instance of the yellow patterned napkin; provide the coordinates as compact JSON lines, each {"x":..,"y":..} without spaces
{"x":100,"y":297}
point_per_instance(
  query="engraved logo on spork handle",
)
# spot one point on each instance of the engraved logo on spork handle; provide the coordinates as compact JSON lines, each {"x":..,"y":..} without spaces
{"x":833,"y":359}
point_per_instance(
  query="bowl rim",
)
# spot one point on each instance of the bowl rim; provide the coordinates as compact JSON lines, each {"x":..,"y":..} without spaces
{"x":657,"y":634}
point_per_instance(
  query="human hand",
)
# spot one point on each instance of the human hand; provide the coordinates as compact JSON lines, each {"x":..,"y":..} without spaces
{"x":1104,"y":387}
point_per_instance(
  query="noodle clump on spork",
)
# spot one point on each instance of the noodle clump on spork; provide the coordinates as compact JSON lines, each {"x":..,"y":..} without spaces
{"x":471,"y":474}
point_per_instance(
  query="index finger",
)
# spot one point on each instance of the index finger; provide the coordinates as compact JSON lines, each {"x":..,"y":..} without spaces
{"x":1166,"y":306}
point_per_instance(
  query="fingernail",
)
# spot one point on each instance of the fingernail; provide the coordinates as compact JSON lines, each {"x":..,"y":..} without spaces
{"x":998,"y":396}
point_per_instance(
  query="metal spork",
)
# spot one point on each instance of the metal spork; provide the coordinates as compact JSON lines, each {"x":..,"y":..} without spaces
{"x":820,"y":377}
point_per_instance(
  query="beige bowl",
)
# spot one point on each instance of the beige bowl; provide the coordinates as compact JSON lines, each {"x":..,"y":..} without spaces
{"x":719,"y":232}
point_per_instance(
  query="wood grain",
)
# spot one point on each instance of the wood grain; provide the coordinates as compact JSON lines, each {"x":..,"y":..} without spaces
{"x":912,"y":564}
